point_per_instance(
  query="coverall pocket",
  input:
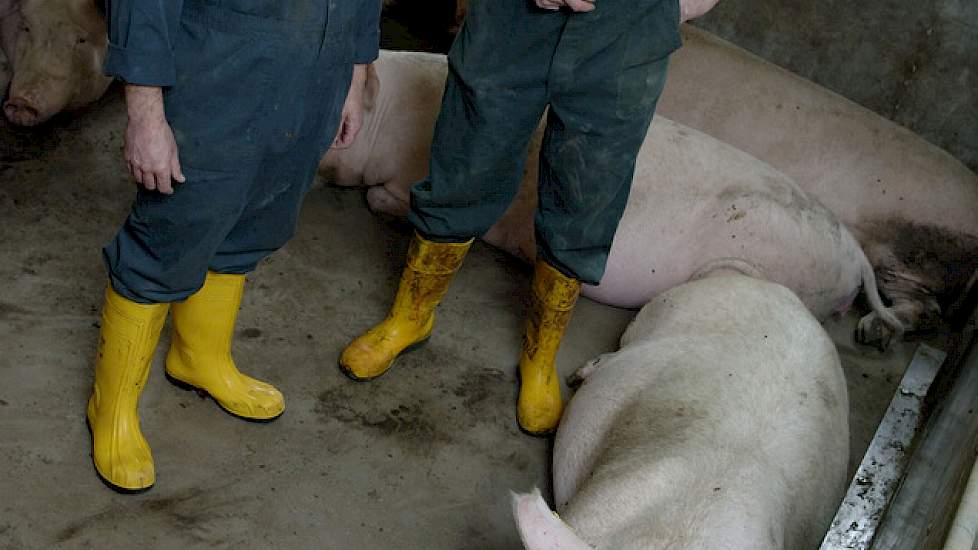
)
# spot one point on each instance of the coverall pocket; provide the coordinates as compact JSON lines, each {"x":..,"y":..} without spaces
{"x":219,"y":102}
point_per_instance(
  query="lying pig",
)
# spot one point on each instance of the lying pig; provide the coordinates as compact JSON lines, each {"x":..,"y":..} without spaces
{"x":722,"y":422}
{"x":696,"y":203}
{"x":913,"y":207}
{"x":56,"y":49}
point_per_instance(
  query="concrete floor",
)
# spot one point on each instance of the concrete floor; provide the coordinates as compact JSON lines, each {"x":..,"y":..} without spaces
{"x":422,"y":458}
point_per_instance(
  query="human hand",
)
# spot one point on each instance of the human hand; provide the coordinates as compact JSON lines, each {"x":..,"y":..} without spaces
{"x":150,"y":150}
{"x":691,"y":9}
{"x":352,"y":119}
{"x":574,"y":5}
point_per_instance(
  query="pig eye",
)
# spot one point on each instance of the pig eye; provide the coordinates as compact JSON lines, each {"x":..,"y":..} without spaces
{"x":82,"y":40}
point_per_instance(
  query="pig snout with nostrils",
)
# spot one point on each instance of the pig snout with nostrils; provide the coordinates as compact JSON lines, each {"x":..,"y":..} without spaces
{"x":722,"y":422}
{"x":56,"y":49}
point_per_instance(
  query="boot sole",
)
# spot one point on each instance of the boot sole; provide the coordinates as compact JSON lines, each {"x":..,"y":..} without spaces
{"x":415,"y":346}
{"x":543,"y":434}
{"x":204,"y":394}
{"x":105,"y":481}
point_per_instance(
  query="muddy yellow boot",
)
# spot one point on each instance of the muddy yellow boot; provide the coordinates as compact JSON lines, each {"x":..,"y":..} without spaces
{"x":426,"y":277}
{"x":552,"y":300}
{"x":200,"y":351}
{"x":127,"y":341}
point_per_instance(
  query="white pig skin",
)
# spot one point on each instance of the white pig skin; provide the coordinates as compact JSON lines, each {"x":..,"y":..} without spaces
{"x":696,"y":203}
{"x":721,"y":423}
{"x":56,"y":49}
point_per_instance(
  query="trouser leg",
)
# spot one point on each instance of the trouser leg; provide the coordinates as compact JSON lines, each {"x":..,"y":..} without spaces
{"x":163,"y":249}
{"x":604,"y":85}
{"x":494,"y":96}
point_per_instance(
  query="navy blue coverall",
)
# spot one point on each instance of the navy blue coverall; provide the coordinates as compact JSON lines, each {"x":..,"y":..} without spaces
{"x":600,"y":73}
{"x":254,"y":91}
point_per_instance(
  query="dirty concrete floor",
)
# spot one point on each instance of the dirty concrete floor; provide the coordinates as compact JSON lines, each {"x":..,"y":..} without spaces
{"x":421,"y":458}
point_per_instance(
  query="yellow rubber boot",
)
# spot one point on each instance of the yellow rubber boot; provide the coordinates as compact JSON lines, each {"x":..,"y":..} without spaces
{"x":200,"y":352}
{"x":424,"y":282}
{"x":552,"y":300}
{"x":127,"y":341}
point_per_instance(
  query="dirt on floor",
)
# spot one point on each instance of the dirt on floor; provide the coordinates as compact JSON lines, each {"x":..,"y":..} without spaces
{"x":424,"y":457}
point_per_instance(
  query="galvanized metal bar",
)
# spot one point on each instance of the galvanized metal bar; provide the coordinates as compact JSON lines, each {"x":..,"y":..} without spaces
{"x":885,"y":462}
{"x":921,"y":511}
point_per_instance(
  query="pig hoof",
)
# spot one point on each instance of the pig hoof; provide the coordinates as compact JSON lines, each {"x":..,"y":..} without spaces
{"x":575,"y":380}
{"x":872,"y":330}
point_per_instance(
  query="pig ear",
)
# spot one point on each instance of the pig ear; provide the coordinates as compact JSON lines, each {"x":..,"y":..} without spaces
{"x":371,"y":88}
{"x":541,"y":529}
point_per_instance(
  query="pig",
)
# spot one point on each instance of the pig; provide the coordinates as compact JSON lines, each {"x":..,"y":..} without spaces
{"x":696,"y":203}
{"x":56,"y":49}
{"x":722,"y":422}
{"x":912,"y":206}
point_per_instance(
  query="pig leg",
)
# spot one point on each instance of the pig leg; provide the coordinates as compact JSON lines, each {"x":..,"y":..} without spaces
{"x":918,"y":268}
{"x":916,"y":313}
{"x":577,"y":377}
{"x":540,"y":528}
{"x":913,"y":304}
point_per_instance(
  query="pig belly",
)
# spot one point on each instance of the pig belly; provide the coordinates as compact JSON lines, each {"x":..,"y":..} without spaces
{"x":724,"y":406}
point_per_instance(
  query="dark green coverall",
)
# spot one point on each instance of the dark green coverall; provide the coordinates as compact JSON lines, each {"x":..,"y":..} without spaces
{"x":600,"y":73}
{"x":254,"y":91}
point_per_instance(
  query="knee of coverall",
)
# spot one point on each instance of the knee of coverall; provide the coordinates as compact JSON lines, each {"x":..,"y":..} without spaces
{"x":163,"y":250}
{"x":587,"y":164}
{"x":270,"y":217}
{"x":582,"y":252}
{"x":266,"y":226}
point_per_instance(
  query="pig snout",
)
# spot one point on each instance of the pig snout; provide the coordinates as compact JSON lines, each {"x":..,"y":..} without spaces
{"x":22,"y":111}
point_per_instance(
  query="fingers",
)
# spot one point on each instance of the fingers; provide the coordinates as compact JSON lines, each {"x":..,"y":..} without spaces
{"x":574,"y":5}
{"x":580,"y":5}
{"x":176,"y":170}
{"x":152,"y":154}
{"x":160,"y":179}
{"x":164,"y":182}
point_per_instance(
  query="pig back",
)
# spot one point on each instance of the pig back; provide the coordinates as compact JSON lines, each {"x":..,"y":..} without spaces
{"x":721,"y":423}
{"x":862,"y":166}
